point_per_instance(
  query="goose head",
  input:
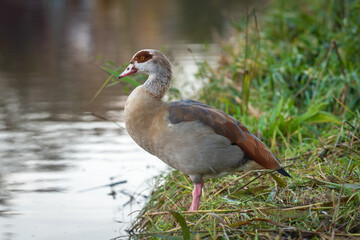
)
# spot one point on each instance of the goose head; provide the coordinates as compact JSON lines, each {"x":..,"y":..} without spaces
{"x":156,"y":65}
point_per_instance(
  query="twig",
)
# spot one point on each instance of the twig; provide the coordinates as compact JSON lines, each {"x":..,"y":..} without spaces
{"x":106,"y":119}
{"x":106,"y":185}
{"x":229,"y":184}
{"x":324,"y":152}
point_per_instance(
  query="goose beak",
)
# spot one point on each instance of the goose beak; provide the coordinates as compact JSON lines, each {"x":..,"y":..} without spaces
{"x":128,"y":71}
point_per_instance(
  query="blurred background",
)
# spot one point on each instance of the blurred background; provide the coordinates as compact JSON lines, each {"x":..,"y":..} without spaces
{"x":51,"y":147}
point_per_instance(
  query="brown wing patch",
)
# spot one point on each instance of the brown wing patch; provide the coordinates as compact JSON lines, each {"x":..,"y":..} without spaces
{"x":259,"y":152}
{"x":142,"y":56}
{"x":220,"y":122}
{"x":225,"y":125}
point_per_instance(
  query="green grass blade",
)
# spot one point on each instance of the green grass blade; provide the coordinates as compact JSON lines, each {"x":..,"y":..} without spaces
{"x":344,"y":106}
{"x":280,"y":182}
{"x":100,"y":89}
{"x":184,"y":228}
{"x":124,"y":79}
{"x":131,"y":81}
{"x":323,"y":117}
{"x":112,"y":72}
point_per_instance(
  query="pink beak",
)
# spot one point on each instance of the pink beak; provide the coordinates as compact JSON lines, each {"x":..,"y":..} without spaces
{"x":128,"y":71}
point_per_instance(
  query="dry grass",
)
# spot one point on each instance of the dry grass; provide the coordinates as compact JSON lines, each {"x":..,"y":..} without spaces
{"x":321,"y":201}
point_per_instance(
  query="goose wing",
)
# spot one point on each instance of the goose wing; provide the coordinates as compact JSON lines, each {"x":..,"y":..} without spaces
{"x":227,"y":126}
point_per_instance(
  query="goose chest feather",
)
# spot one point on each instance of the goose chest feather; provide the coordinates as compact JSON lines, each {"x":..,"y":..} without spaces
{"x":144,"y":118}
{"x":190,"y":136}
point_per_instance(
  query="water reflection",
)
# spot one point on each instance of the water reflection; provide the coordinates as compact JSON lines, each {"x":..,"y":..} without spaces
{"x":51,"y":147}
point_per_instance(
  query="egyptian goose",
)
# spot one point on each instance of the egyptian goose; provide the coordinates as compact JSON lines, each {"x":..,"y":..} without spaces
{"x":199,"y":140}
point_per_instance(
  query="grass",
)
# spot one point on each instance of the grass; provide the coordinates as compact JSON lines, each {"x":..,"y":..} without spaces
{"x":292,"y":77}
{"x":321,"y":201}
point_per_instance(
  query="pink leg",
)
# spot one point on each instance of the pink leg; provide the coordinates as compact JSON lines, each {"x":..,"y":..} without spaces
{"x":196,"y":196}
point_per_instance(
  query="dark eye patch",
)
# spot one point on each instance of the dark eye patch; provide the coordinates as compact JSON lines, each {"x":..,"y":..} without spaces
{"x":142,"y":56}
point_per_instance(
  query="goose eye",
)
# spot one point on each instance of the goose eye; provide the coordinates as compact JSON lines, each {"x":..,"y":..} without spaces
{"x":142,"y":58}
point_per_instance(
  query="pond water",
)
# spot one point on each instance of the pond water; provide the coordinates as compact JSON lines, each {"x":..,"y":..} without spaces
{"x":55,"y":156}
